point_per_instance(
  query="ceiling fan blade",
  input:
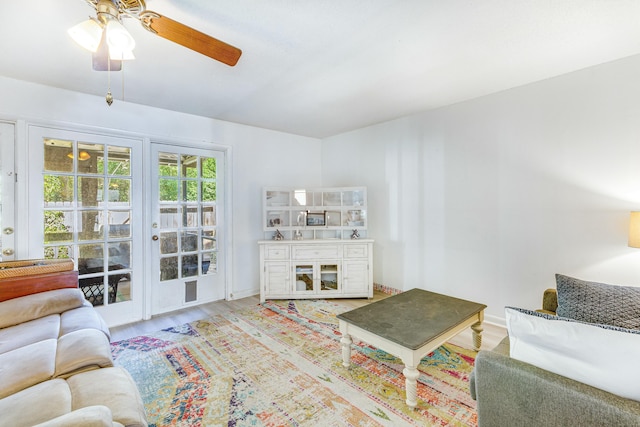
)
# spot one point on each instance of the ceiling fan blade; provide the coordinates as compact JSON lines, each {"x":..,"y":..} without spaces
{"x":190,"y":38}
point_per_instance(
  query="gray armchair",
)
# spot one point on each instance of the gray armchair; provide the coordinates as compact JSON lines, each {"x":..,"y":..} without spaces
{"x":513,"y":393}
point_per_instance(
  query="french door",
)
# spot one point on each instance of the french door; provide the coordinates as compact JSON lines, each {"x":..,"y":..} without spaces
{"x":187,"y":237}
{"x":86,"y":203}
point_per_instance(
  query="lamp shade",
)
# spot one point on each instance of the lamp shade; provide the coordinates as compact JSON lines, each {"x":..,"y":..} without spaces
{"x":87,"y":34}
{"x":634,"y":230}
{"x":118,"y":38}
{"x":118,"y":55}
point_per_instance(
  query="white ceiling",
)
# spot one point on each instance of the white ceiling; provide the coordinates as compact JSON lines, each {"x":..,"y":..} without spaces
{"x":323,"y":67}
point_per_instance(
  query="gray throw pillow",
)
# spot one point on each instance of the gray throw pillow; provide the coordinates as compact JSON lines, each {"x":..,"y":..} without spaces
{"x":594,"y":302}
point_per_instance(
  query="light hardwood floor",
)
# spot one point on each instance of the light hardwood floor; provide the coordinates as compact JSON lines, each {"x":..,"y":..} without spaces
{"x":491,"y":335}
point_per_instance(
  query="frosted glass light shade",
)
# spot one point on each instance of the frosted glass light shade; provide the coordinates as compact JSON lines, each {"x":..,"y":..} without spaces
{"x":120,"y":55}
{"x":118,"y":38}
{"x":87,"y":34}
{"x":634,"y":230}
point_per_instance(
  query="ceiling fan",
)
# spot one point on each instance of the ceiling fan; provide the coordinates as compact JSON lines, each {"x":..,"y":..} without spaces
{"x":111,"y":43}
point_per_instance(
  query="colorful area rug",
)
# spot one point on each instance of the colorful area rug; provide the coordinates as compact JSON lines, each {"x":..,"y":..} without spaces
{"x":279,"y":364}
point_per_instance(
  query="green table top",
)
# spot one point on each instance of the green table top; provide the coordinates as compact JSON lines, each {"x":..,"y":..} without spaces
{"x":412,"y":318}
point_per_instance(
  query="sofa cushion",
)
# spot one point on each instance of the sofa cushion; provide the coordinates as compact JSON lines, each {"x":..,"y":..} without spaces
{"x":577,"y":350}
{"x":26,"y":333}
{"x":35,"y":306}
{"x":26,"y":366}
{"x":36,"y":404}
{"x":91,"y":416}
{"x":81,"y":351}
{"x":82,"y":318}
{"x":601,"y":303}
{"x":112,"y":387}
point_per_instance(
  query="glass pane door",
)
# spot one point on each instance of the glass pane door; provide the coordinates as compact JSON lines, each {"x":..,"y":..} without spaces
{"x":90,"y":210}
{"x":188,"y":203}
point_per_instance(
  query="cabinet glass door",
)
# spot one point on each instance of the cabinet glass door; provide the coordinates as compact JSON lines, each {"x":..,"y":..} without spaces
{"x":304,"y":278}
{"x":329,"y":277}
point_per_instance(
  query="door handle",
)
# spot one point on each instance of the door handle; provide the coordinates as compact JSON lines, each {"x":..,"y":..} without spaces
{"x":154,"y":237}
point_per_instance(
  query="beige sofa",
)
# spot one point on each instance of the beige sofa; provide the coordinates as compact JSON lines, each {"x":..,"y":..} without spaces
{"x":56,"y":367}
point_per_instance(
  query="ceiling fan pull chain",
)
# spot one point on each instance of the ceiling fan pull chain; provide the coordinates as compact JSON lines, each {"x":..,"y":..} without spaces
{"x":122,"y":71}
{"x":109,"y":97}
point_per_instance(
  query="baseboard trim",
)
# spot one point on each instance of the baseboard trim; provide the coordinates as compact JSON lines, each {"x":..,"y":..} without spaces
{"x":243,"y":294}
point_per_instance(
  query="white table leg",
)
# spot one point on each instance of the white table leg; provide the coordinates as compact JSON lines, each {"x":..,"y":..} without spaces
{"x":477,"y":329}
{"x":411,"y":375}
{"x":346,"y":349}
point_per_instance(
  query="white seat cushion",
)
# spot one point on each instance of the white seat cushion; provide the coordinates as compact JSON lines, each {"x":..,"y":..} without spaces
{"x":577,"y":350}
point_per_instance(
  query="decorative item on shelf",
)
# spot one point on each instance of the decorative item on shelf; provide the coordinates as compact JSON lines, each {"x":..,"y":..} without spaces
{"x":355,"y":235}
{"x":297,"y":235}
{"x":354,"y":217}
{"x":275,"y":220}
{"x":278,"y":235}
{"x":301,"y":220}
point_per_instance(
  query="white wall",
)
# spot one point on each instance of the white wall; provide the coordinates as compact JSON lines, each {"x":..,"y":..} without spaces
{"x":484,"y":200}
{"x":260,"y":157}
{"x":488,"y":199}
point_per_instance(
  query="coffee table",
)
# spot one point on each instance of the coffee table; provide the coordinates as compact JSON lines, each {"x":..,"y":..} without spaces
{"x":410,"y":325}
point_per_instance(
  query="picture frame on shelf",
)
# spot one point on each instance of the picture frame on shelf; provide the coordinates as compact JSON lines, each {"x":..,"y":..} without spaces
{"x":316,"y":219}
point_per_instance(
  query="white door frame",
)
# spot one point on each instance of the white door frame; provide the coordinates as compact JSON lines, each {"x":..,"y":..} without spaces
{"x":8,"y":182}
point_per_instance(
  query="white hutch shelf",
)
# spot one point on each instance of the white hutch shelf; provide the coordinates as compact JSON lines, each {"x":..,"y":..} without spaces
{"x":321,"y":213}
{"x":309,"y":249}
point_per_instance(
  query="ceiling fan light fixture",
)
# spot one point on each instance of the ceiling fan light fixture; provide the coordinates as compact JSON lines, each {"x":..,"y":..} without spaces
{"x":118,"y":38}
{"x":87,"y":34}
{"x":121,"y":55}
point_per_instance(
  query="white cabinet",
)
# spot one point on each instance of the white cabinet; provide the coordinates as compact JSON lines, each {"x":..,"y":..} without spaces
{"x":291,"y":269}
{"x":312,"y":253}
